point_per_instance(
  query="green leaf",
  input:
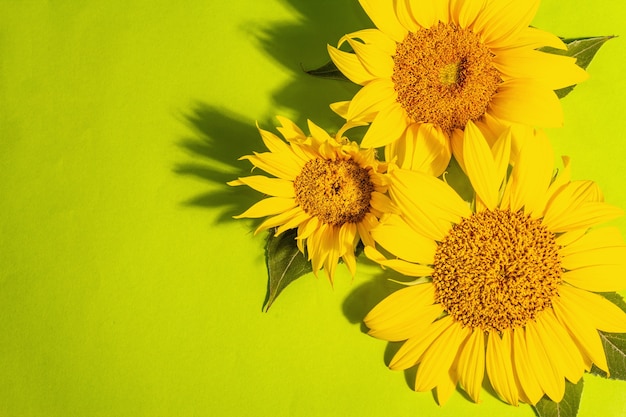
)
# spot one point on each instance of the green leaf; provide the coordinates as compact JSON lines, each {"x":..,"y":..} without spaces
{"x":614,"y":345}
{"x":568,"y":407}
{"x":285,"y":263}
{"x":328,"y":71}
{"x":583,"y":49}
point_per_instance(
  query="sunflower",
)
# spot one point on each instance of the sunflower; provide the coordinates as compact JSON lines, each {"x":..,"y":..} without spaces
{"x":506,"y":284}
{"x":328,"y":188}
{"x":431,"y":67}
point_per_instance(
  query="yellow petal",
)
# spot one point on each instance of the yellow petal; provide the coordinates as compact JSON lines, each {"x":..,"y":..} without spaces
{"x":598,"y":278}
{"x":283,"y":218}
{"x":406,"y":324}
{"x":382,"y":203}
{"x":596,"y":257}
{"x":374,"y":60}
{"x":435,"y":364}
{"x":304,"y":150}
{"x":406,"y":268}
{"x":446,"y":387}
{"x":289,"y":129}
{"x":465,"y":12}
{"x":480,"y":166}
{"x":565,"y":239}
{"x":502,"y":21}
{"x":456,"y":144}
{"x":534,"y":38}
{"x":268,"y":207}
{"x":331,"y":247}
{"x":430,"y":216}
{"x":349,"y":64}
{"x":424,"y":148}
{"x":318,"y":133}
{"x":371,"y":99}
{"x":550,"y":379}
{"x":383,"y":15}
{"x":527,"y":102}
{"x":532,"y":174}
{"x":421,"y":221}
{"x":471,"y":367}
{"x":273,"y":142}
{"x":313,"y":243}
{"x":276,"y":187}
{"x":606,"y":316}
{"x":559,"y":346}
{"x":348,"y":238}
{"x":492,"y":128}
{"x":441,"y":8}
{"x":318,"y":247}
{"x":412,"y":350}
{"x":403,"y":314}
{"x":582,"y":329}
{"x":426,"y":13}
{"x":373,"y":37}
{"x":275,"y":164}
{"x":565,"y":196}
{"x":501,"y":151}
{"x":388,"y":126}
{"x":347,"y":126}
{"x":523,"y":368}
{"x":500,"y":366}
{"x":298,"y":217}
{"x":341,"y":108}
{"x":585,"y":215}
{"x":404,"y":15}
{"x":305,"y":230}
{"x":606,"y":237}
{"x":401,"y":240}
{"x":554,"y":71}
{"x":364,"y":228}
{"x":559,"y":183}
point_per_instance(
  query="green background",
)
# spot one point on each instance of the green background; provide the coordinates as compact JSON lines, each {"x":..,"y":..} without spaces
{"x":126,"y":289}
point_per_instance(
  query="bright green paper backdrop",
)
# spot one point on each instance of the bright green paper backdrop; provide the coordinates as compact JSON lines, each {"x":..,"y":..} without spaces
{"x":125,"y":287}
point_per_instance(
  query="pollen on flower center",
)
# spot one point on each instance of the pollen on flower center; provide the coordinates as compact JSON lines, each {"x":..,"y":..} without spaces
{"x":496,"y":270}
{"x":335,"y":191}
{"x":449,"y":74}
{"x":444,"y":75}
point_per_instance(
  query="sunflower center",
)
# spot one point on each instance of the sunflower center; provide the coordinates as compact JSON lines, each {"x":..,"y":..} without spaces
{"x":496,"y":270}
{"x":449,"y":74}
{"x":444,"y":75}
{"x":335,"y":191}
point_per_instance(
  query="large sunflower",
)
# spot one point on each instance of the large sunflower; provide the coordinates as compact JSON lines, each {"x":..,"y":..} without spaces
{"x":433,"y":66}
{"x":327,"y":187}
{"x":506,"y":284}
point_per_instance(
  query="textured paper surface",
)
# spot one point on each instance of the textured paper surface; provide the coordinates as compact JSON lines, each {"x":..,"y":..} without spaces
{"x":125,"y":287}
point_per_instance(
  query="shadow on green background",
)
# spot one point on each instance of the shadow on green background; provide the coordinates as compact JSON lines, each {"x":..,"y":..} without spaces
{"x":220,"y":139}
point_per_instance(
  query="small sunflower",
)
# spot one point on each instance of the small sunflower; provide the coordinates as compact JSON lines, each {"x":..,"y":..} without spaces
{"x":507,"y":283}
{"x":431,"y":67}
{"x":328,"y":188}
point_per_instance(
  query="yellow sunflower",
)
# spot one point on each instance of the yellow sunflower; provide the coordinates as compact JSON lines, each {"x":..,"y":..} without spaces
{"x":433,"y":66}
{"x":328,"y":188}
{"x":505,"y":284}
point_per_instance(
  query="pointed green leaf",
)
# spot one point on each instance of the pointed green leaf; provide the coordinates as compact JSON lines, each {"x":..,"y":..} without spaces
{"x":568,"y":407}
{"x":285,"y":263}
{"x":614,"y":345}
{"x":329,"y":71}
{"x":583,"y":49}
